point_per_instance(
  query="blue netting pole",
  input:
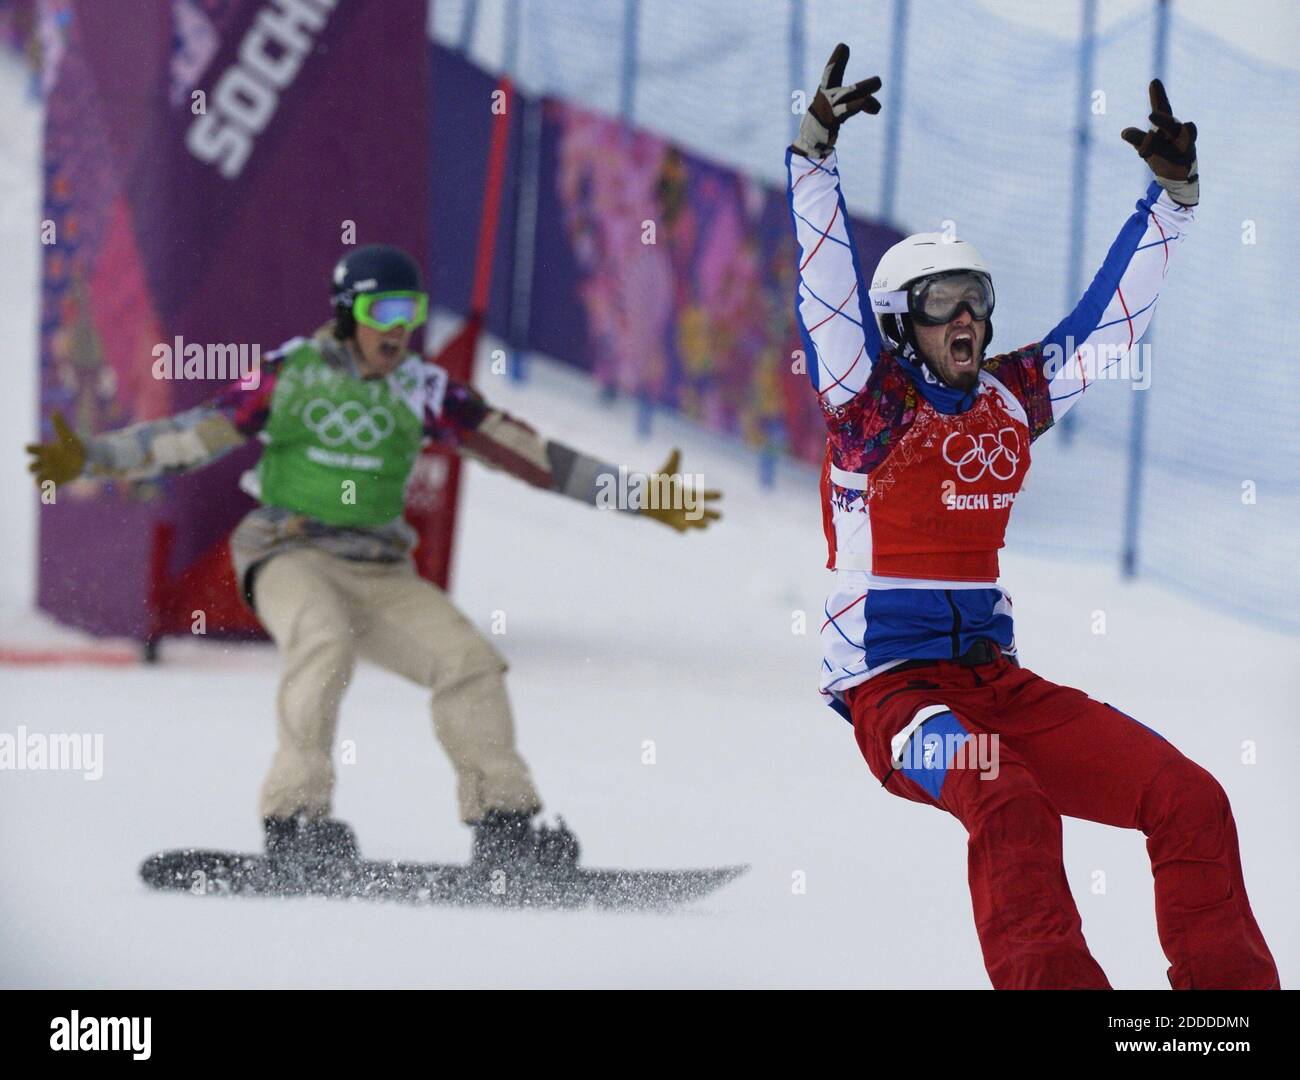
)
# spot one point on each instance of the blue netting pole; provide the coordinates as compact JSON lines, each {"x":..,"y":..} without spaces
{"x":467,"y":19}
{"x":1138,"y":430}
{"x":771,"y":448}
{"x":510,"y":27}
{"x":795,"y":60}
{"x":627,"y":87}
{"x":1079,"y":196}
{"x":527,"y":182}
{"x":894,"y":110}
{"x":627,"y":113}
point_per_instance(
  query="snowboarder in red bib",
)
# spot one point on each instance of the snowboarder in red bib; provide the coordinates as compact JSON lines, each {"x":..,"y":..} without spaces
{"x":325,"y":559}
{"x":929,"y":443}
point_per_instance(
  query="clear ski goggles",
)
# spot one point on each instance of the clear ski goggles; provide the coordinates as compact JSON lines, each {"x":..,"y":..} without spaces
{"x":384,"y":310}
{"x":935,"y":300}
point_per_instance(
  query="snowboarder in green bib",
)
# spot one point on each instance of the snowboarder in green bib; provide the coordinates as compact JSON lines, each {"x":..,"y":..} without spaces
{"x":325,"y":559}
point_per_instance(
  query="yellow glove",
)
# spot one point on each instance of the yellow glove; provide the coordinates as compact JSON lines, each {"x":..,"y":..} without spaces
{"x":677,"y":503}
{"x":59,"y":461}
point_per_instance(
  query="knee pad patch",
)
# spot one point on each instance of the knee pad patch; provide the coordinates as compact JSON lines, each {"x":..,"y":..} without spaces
{"x":923,"y":751}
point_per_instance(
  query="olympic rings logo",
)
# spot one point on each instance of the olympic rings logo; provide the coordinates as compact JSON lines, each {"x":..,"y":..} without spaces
{"x":997,"y":454}
{"x":349,"y":421}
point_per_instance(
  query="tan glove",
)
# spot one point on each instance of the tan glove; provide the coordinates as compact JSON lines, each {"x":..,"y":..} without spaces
{"x":61,"y":460}
{"x":669,"y":487}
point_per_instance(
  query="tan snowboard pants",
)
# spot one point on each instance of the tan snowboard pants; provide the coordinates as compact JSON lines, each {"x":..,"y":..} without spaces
{"x":324,"y":612}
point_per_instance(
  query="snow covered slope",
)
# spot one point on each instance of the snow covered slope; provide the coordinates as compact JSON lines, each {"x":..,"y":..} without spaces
{"x":620,"y":632}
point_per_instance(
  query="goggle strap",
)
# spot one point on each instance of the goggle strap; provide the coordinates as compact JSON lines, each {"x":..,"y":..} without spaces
{"x":894,"y":302}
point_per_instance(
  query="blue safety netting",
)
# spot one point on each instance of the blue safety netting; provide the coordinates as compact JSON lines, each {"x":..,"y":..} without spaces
{"x":987,"y":124}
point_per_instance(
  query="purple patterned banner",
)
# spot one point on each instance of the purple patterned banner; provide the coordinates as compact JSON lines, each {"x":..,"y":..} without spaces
{"x":668,"y":277}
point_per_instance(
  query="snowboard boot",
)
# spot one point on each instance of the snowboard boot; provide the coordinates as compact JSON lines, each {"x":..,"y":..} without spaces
{"x":557,"y":848}
{"x":301,"y":838}
{"x":508,"y":839}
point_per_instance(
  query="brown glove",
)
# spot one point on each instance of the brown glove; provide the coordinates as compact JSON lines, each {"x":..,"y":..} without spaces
{"x":61,"y":460}
{"x":1169,"y":148}
{"x":692,"y":507}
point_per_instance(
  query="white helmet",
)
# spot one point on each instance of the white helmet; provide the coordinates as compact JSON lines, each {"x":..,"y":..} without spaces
{"x":920,"y":255}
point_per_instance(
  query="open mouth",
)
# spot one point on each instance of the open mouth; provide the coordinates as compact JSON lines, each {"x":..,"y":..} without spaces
{"x":962,"y":349}
{"x":390,"y":350}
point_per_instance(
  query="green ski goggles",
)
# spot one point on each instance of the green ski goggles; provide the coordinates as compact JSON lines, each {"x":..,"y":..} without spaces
{"x":384,"y":310}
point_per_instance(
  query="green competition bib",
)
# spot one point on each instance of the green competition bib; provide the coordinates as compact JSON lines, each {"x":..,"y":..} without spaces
{"x":341,"y":448}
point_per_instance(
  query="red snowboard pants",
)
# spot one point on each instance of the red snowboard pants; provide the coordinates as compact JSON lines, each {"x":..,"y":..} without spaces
{"x":927,"y":734}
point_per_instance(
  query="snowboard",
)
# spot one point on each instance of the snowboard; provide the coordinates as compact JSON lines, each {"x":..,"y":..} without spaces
{"x":223,"y":873}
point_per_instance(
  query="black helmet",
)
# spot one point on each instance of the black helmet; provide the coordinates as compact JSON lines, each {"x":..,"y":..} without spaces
{"x":373,"y":268}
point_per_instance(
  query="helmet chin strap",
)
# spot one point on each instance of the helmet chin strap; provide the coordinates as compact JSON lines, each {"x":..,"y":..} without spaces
{"x":911,"y":349}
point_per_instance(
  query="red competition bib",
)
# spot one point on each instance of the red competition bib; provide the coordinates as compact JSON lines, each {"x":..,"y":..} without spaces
{"x":939,"y":504}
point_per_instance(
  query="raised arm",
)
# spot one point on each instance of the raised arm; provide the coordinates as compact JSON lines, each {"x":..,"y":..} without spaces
{"x":838,"y":332}
{"x":1115,"y":311}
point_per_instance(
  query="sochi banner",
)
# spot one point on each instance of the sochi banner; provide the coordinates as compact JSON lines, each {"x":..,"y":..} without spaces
{"x":206,"y":162}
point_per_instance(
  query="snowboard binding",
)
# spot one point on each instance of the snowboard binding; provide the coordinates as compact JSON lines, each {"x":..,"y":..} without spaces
{"x":303,"y":839}
{"x":508,"y":838}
